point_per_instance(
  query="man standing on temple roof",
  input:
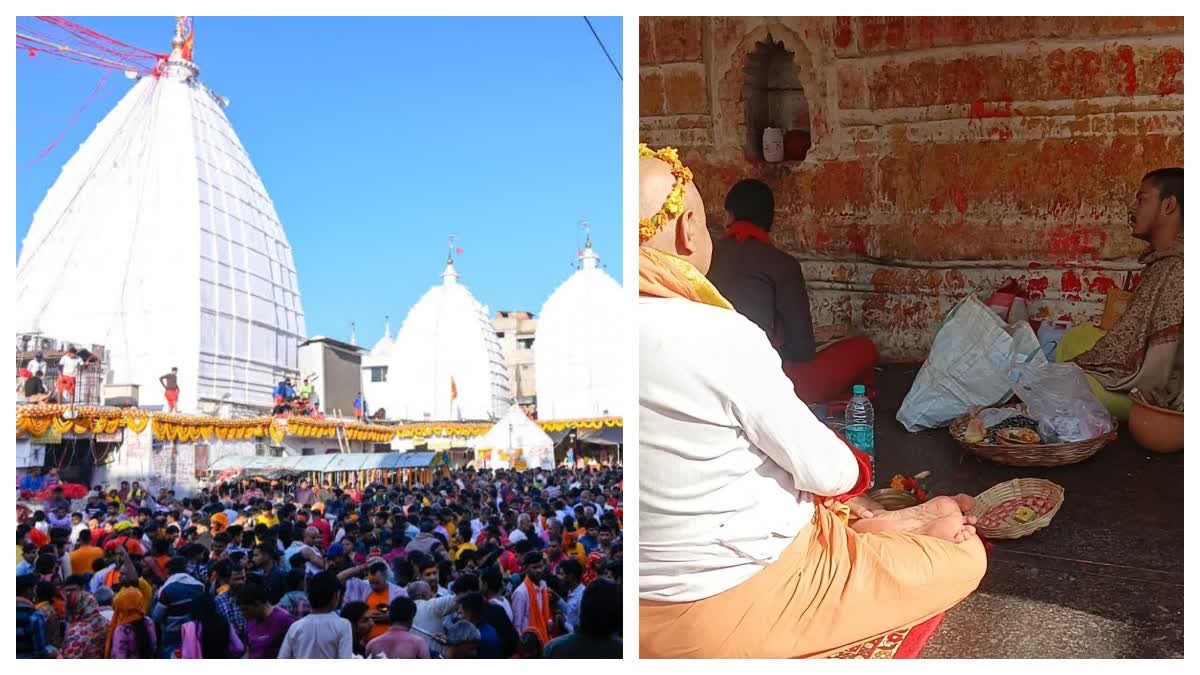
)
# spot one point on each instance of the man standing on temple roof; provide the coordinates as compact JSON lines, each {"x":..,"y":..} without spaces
{"x":68,"y":370}
{"x":170,"y":383}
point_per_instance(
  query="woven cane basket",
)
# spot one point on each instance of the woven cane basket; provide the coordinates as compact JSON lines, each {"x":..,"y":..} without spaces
{"x":999,"y":496}
{"x":1042,"y":454}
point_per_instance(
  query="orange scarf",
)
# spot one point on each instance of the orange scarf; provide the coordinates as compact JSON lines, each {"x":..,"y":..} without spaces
{"x":539,"y":611}
{"x":662,"y":275}
{"x":128,"y":607}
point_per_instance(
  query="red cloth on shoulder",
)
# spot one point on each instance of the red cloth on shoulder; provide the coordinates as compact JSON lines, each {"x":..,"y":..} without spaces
{"x":742,"y":230}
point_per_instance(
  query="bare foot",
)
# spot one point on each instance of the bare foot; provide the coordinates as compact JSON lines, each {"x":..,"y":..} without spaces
{"x":940,"y":517}
{"x":934,"y":508}
{"x":955,"y":529}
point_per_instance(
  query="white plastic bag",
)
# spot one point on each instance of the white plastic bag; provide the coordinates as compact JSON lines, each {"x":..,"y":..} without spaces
{"x":1059,"y":398}
{"x":967,"y":366}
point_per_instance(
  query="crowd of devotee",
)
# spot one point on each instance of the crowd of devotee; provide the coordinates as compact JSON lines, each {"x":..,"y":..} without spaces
{"x":476,"y":564}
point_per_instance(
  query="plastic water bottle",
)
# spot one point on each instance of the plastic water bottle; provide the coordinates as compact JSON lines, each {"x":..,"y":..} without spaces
{"x":860,"y":423}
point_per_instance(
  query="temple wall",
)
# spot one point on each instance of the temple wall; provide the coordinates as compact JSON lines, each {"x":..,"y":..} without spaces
{"x":948,"y":153}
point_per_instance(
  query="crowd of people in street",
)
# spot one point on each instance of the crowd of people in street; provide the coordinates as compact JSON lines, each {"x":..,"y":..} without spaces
{"x":476,"y":564}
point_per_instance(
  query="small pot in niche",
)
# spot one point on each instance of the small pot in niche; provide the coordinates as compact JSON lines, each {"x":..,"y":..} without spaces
{"x":773,"y":144}
{"x":796,"y":144}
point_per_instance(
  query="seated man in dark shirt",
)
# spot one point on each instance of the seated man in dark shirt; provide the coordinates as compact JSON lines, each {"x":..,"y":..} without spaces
{"x":766,"y":285}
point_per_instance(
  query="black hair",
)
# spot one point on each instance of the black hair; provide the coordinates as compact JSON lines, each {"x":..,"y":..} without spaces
{"x":467,"y":583}
{"x":214,"y":628}
{"x":1169,"y":183}
{"x":323,"y":589}
{"x":295,"y":579}
{"x":45,"y":591}
{"x":253,"y":593}
{"x":353,"y":611}
{"x":571,"y":566}
{"x":402,"y":610}
{"x":45,"y":564}
{"x":532,"y":558}
{"x":600,"y":609}
{"x":473,"y":602}
{"x":177,"y":565}
{"x":377,"y":567}
{"x":752,"y":200}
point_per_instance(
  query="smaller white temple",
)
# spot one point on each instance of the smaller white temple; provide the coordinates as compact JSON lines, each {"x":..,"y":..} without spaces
{"x":446,"y":363}
{"x":581,"y":354}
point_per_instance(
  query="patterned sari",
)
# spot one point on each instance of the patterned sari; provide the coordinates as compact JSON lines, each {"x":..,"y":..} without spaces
{"x":86,"y":629}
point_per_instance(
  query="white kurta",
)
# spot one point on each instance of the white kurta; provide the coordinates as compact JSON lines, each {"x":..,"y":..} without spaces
{"x":729,"y":457}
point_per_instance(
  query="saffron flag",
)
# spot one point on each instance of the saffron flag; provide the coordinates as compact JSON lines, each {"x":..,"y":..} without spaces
{"x":453,"y":390}
{"x":189,"y":41}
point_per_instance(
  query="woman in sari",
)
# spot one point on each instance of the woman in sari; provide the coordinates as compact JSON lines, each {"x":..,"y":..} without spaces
{"x":131,"y":633}
{"x":86,"y":628}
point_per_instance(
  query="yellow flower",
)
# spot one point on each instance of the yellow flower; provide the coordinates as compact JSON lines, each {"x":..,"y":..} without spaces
{"x":673,"y":206}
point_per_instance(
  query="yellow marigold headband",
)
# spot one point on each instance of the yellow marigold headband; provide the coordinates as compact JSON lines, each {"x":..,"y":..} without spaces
{"x":673,"y":207}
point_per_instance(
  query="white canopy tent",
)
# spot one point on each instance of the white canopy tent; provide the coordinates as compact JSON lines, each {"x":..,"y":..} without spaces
{"x":515,"y":442}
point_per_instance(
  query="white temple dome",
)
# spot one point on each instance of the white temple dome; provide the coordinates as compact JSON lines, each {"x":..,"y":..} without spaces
{"x":158,"y":241}
{"x":581,"y":352}
{"x":447,"y":337}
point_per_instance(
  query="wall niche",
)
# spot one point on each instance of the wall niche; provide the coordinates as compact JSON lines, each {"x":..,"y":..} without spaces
{"x":774,"y":98}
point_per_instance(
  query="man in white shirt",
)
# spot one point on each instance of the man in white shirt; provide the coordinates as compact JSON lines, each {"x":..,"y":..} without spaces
{"x":322,"y":634}
{"x":68,"y":370}
{"x":743,"y":550}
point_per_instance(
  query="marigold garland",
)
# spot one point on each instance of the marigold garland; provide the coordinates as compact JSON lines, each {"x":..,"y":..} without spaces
{"x":589,"y":423}
{"x":37,"y":420}
{"x":673,"y":206}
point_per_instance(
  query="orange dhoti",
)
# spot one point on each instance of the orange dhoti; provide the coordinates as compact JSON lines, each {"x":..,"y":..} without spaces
{"x":831,"y":588}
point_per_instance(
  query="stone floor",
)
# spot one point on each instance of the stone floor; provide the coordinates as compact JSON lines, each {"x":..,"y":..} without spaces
{"x":1104,"y":580}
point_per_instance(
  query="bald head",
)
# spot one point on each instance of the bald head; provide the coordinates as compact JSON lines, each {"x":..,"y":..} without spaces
{"x":311,"y":536}
{"x":686,"y":236}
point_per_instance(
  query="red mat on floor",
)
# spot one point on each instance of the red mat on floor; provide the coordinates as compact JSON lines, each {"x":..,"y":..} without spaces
{"x":901,"y":644}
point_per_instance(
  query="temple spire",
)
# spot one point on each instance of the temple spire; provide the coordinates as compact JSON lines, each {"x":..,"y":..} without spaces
{"x":588,"y":258}
{"x":450,"y":275}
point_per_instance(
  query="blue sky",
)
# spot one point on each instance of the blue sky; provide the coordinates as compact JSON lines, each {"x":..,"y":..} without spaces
{"x":378,"y":137}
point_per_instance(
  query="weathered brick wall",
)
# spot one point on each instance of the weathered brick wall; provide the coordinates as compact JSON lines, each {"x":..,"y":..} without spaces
{"x":948,"y":153}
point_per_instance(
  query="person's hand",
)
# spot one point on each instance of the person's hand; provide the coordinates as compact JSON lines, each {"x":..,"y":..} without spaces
{"x":859,"y":510}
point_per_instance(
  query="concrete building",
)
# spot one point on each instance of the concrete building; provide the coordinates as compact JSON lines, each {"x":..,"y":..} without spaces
{"x":517,"y":332}
{"x":375,"y":370}
{"x":337,"y":366}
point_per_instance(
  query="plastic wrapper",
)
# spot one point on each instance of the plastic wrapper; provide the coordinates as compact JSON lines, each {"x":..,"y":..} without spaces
{"x":990,"y":417}
{"x":967,"y":366}
{"x":1058,"y":397}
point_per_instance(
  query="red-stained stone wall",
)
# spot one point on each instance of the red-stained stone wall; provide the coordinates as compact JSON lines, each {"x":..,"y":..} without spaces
{"x":949,"y":153}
